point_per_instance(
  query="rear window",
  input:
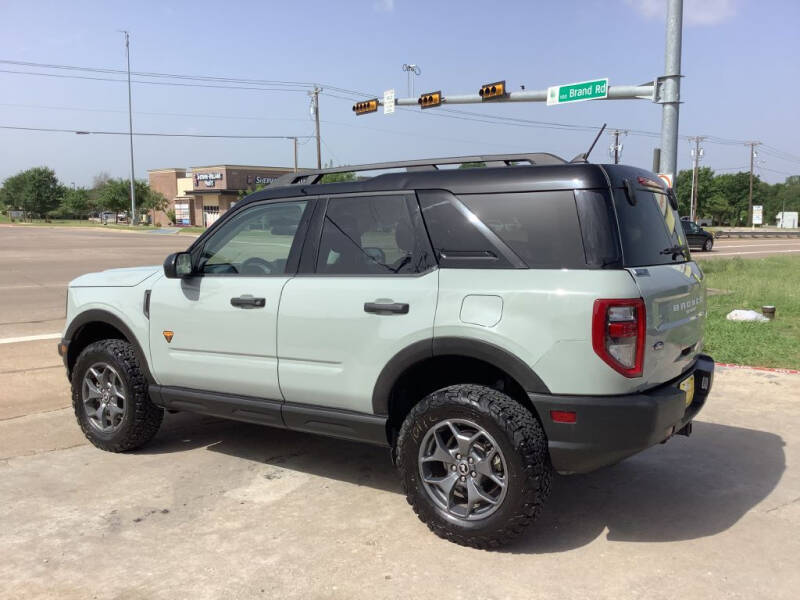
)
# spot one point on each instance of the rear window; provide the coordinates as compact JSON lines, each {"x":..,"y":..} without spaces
{"x":540,"y":227}
{"x":650,"y":230}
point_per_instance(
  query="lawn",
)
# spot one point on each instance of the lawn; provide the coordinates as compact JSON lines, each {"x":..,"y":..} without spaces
{"x":750,"y":284}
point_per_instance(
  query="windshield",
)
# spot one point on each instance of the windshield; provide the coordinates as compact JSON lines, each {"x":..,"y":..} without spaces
{"x":649,"y":229}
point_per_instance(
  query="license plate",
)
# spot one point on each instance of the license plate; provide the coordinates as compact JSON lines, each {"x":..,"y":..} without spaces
{"x":687,"y":386}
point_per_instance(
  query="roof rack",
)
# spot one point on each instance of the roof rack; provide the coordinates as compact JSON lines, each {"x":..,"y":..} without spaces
{"x":308,"y":177}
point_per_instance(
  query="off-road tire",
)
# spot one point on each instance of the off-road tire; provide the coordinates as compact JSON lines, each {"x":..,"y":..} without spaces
{"x":522,"y":442}
{"x":141,"y":418}
{"x":707,"y":245}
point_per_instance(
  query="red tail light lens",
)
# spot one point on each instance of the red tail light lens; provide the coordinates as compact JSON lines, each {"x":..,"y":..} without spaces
{"x":618,"y":334}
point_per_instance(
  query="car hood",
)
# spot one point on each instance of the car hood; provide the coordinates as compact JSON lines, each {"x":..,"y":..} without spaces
{"x":128,"y":277}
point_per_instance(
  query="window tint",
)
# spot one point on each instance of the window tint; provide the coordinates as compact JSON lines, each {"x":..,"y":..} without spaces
{"x":598,"y":229}
{"x":649,"y":229}
{"x":370,"y":235}
{"x":541,"y":227}
{"x":254,"y":242}
{"x":457,"y":241}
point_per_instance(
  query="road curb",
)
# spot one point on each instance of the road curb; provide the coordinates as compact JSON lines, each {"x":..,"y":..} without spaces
{"x":768,"y":369}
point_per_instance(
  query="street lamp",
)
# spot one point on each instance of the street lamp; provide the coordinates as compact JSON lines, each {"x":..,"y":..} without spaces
{"x":411,"y":70}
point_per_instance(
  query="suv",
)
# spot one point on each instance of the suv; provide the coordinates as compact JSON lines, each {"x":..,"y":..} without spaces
{"x":697,"y":236}
{"x":489,"y":326}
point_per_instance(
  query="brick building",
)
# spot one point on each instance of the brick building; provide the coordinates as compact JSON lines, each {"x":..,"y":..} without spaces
{"x":199,"y":195}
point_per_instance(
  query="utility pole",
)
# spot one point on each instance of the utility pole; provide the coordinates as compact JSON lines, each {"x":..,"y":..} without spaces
{"x":672,"y":88}
{"x":615,"y":151}
{"x":130,"y":125}
{"x":315,"y":107}
{"x":750,"y":197}
{"x":294,"y":140}
{"x":697,"y":153}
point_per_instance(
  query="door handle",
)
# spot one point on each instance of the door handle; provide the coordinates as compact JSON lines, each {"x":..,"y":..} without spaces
{"x":380,"y":308}
{"x":248,"y":302}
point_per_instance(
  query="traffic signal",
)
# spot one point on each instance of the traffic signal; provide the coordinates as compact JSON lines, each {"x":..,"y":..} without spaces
{"x":430,"y":99}
{"x":367,"y":106}
{"x":493,"y":91}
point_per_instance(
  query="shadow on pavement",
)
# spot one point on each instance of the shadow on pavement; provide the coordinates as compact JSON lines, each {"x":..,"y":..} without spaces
{"x":685,"y":489}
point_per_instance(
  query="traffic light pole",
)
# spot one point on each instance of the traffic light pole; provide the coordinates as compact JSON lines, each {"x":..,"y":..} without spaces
{"x":615,"y":92}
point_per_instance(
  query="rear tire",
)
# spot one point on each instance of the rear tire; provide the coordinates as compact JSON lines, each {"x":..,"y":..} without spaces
{"x":494,"y":474}
{"x":110,"y":399}
{"x":707,"y":245}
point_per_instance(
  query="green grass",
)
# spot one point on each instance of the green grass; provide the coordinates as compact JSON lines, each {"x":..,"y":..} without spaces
{"x":80,"y":223}
{"x":751,"y":284}
{"x":4,"y":218}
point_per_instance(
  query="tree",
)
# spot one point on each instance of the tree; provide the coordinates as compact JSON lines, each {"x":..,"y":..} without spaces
{"x":705,"y":188}
{"x":337,"y":177}
{"x":472,"y":165}
{"x":35,"y":191}
{"x":115,"y":195}
{"x":76,"y":203}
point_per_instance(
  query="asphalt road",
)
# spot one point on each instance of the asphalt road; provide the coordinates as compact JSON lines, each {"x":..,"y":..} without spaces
{"x":750,"y":248}
{"x":214,"y":509}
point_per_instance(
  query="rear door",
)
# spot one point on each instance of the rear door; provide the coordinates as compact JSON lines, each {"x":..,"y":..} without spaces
{"x":368,"y":291}
{"x":656,"y":254}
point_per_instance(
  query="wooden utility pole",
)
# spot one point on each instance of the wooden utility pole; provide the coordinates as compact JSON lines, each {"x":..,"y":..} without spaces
{"x":616,"y":146}
{"x":695,"y":182}
{"x":315,"y":96}
{"x":750,"y":197}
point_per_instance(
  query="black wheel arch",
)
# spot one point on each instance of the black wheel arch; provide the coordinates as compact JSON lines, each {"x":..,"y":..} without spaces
{"x":96,"y":324}
{"x":449,"y":351}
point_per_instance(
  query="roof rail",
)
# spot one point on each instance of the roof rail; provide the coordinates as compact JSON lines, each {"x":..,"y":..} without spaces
{"x":309,"y":177}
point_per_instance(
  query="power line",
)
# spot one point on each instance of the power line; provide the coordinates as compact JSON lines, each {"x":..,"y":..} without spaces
{"x":155,"y":134}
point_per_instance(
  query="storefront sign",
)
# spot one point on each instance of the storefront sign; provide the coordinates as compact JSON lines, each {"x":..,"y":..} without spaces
{"x":210,"y":179}
{"x":264,"y":180}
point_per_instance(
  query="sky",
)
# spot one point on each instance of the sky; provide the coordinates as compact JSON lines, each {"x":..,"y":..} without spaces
{"x":741,"y":67}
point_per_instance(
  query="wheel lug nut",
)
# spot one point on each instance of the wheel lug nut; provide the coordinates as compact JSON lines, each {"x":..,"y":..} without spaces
{"x":463,"y":478}
{"x":471,"y":460}
{"x":473,"y":474}
{"x":458,"y":456}
{"x":452,"y":467}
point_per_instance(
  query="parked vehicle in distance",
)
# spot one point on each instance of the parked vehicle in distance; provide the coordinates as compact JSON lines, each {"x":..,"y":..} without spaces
{"x":489,"y":326}
{"x":697,"y":236}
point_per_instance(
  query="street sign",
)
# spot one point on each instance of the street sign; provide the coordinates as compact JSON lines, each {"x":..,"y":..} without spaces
{"x":577,"y":92}
{"x":388,"y":102}
{"x":758,"y":214}
{"x":667,"y":178}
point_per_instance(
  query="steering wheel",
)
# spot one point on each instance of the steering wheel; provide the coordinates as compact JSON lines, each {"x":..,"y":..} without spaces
{"x":256,"y":266}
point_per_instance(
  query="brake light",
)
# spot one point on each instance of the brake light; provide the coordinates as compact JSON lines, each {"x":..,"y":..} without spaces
{"x":618,"y":334}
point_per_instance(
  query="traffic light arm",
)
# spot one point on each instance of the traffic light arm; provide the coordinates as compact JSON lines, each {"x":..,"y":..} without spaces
{"x":615,"y":92}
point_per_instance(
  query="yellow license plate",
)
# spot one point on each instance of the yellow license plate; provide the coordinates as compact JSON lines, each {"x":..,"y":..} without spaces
{"x":687,"y":386}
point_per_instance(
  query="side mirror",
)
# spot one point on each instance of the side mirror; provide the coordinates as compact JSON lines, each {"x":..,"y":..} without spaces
{"x":178,"y":265}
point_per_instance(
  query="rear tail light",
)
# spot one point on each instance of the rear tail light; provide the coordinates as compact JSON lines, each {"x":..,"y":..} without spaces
{"x":618,"y":332}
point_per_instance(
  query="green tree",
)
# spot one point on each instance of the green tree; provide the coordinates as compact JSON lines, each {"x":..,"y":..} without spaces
{"x":115,"y":195}
{"x":337,"y":177}
{"x":705,"y":189}
{"x":35,"y":191}
{"x":472,"y":165}
{"x":734,"y":187}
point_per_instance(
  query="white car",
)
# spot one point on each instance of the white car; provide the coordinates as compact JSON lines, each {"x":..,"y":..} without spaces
{"x":489,"y":325}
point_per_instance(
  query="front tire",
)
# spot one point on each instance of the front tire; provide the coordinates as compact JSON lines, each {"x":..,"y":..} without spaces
{"x":474,"y":465}
{"x":110,"y":399}
{"x":707,"y":245}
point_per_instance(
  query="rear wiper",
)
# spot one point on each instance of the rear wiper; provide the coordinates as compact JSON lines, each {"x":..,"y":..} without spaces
{"x":675,"y":251}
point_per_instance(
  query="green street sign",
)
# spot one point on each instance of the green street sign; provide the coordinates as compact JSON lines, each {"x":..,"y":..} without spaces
{"x":577,"y":92}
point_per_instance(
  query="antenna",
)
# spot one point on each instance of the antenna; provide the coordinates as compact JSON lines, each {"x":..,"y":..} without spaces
{"x":584,"y":158}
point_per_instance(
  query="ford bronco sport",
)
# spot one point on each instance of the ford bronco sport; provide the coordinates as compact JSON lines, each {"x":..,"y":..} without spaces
{"x":488,"y":325}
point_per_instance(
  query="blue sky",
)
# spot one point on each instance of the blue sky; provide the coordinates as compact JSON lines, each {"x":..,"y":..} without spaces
{"x":740,"y":61}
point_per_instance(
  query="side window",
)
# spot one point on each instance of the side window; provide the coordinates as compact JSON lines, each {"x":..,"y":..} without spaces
{"x":541,"y":227}
{"x":255,"y":242}
{"x":370,"y":235}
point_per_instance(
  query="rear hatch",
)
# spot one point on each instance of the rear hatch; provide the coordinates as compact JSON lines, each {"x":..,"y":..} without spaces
{"x":655,"y":253}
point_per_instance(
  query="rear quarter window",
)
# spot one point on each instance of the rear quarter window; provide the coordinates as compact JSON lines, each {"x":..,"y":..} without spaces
{"x":540,"y":227}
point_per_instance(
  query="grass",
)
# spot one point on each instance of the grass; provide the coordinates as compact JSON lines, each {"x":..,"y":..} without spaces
{"x":95,"y":224}
{"x":751,"y":284}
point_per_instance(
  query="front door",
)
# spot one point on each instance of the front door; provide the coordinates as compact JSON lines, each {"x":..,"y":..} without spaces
{"x":370,"y":291}
{"x":216,"y":330}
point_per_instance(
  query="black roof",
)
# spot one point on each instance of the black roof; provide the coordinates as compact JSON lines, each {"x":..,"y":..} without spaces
{"x":457,"y":181}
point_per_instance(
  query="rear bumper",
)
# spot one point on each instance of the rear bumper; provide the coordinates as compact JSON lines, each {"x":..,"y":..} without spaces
{"x":608,"y":429}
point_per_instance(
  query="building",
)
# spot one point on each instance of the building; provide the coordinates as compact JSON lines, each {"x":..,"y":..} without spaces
{"x":786,"y":220}
{"x":199,"y":195}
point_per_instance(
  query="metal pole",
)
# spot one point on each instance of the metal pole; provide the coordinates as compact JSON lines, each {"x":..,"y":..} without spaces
{"x":696,"y":160}
{"x":616,"y":147}
{"x":316,"y":120}
{"x":294,"y":140}
{"x":130,"y":127}
{"x":672,"y":88}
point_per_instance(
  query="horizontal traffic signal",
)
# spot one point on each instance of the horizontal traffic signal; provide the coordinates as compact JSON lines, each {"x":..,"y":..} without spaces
{"x":367,"y":106}
{"x":430,"y":99}
{"x":493,"y":91}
